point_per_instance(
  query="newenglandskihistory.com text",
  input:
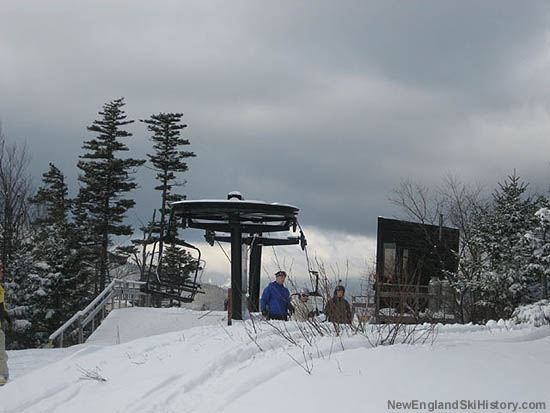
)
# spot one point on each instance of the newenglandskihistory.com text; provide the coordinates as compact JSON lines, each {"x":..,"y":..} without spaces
{"x":434,"y":405}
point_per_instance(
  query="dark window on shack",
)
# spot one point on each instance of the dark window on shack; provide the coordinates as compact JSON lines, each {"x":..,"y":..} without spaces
{"x":413,"y":253}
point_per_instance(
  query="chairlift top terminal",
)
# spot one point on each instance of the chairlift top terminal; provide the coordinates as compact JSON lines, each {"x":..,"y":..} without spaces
{"x":253,"y":217}
{"x":237,"y":216}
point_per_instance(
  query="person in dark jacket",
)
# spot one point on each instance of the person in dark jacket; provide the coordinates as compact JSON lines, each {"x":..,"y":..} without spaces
{"x":4,"y":317}
{"x":338,"y":309}
{"x":275,"y":302}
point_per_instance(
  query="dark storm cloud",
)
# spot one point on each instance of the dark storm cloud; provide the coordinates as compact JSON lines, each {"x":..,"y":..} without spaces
{"x":325,"y":105}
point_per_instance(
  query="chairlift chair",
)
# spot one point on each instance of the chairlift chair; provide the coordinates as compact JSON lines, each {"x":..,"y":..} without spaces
{"x":164,"y":287}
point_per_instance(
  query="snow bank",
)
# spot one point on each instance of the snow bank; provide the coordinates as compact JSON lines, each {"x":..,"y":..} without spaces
{"x":128,"y":324}
{"x":253,"y":367}
{"x":536,"y":314}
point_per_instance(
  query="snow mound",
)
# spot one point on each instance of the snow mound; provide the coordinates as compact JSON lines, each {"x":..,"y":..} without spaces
{"x":496,"y":324}
{"x":536,"y":314}
{"x":271,"y":367}
{"x":128,"y":324}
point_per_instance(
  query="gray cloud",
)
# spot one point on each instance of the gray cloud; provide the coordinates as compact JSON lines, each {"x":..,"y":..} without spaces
{"x":326,"y":105}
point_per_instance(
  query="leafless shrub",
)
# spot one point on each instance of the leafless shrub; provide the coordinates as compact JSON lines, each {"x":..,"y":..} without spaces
{"x":142,"y":253}
{"x":307,"y":364}
{"x":226,"y":331}
{"x":91,"y":374}
{"x":458,"y":202}
{"x":400,"y":333}
{"x":15,"y":190}
{"x":306,"y":335}
{"x":281,"y":330}
{"x":253,"y":332}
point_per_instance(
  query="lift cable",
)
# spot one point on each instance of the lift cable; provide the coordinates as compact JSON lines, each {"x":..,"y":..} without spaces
{"x":226,"y":256}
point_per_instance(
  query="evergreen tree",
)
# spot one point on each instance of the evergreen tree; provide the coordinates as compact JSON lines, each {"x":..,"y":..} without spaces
{"x":49,"y":283}
{"x":168,"y":160}
{"x":539,"y":240}
{"x":177,"y":265}
{"x":53,"y":196}
{"x":25,"y":293}
{"x":503,"y":280}
{"x":88,"y":241}
{"x":106,"y":178}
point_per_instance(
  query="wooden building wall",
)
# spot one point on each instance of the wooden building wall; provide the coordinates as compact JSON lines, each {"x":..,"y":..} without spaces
{"x":412,"y":253}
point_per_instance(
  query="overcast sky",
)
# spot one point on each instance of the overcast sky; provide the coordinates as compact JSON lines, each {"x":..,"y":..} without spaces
{"x":326,"y":105}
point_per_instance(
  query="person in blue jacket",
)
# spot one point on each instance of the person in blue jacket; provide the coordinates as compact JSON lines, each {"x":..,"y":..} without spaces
{"x":275,"y":302}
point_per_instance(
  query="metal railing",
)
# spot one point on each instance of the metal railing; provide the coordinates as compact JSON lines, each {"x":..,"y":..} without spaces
{"x":117,"y":292}
{"x":412,"y":303}
{"x":363,"y":306}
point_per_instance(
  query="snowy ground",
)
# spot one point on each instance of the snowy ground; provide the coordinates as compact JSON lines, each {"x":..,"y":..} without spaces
{"x":122,"y":326}
{"x":176,"y":360}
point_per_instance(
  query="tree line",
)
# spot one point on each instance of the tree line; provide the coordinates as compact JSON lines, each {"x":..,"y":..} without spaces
{"x":58,"y":253}
{"x":504,"y":248}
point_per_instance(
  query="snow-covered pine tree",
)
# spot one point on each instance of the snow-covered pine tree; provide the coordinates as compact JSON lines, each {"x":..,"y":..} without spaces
{"x":25,"y":292}
{"x":89,"y":241}
{"x":49,"y":283}
{"x":168,"y":160}
{"x":539,"y":240}
{"x":503,"y":280}
{"x":52,"y":195}
{"x":106,"y":179}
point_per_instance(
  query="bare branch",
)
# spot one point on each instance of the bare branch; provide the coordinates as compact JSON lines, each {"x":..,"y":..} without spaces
{"x":15,"y":190}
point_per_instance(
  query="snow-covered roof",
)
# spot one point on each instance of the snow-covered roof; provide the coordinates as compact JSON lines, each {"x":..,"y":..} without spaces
{"x":231,"y":202}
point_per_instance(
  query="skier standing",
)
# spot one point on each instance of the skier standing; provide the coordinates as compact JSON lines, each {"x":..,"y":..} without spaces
{"x":275,"y":302}
{"x":4,"y":372}
{"x":338,"y":309}
{"x":300,"y":303}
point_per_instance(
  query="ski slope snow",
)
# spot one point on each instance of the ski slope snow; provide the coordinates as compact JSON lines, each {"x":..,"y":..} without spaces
{"x":176,"y":360}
